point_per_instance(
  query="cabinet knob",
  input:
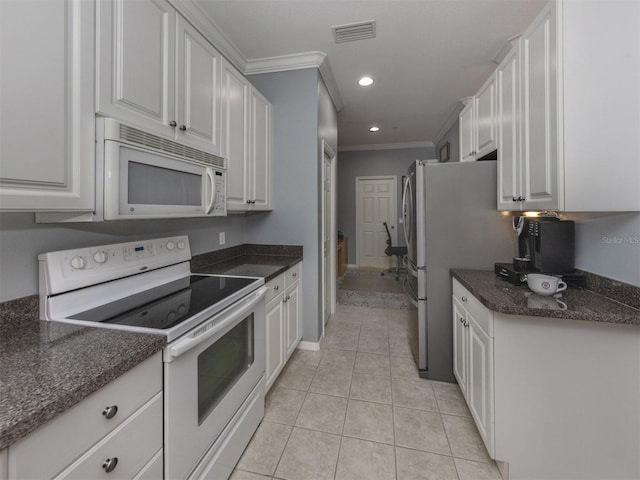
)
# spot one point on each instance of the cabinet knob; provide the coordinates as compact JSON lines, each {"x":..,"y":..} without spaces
{"x":288,"y":297}
{"x":173,"y":123}
{"x":183,"y":128}
{"x":521,"y":199}
{"x":466,"y":324}
{"x":461,"y":319}
{"x":110,"y":464}
{"x":464,"y":299}
{"x":277,"y":287}
{"x":514,"y":199}
{"x":110,"y":412}
{"x":285,"y":300}
{"x":248,"y":202}
{"x":294,"y":274}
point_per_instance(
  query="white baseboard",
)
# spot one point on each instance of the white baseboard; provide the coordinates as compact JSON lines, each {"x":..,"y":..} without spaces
{"x":313,"y":346}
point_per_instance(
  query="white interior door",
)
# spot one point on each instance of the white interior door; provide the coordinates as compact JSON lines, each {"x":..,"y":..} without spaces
{"x":375,"y":203}
{"x":329,"y":238}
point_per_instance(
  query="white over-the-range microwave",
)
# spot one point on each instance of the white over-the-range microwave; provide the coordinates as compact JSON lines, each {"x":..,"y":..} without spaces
{"x":140,"y":175}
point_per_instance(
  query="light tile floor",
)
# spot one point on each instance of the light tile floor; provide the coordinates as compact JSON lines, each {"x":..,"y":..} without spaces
{"x":357,"y":409}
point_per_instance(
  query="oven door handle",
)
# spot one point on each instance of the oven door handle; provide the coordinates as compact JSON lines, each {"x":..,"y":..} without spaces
{"x":202,"y":335}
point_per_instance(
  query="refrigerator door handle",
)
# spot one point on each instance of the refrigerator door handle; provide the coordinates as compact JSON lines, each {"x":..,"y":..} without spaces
{"x":413,"y":299}
{"x":407,"y":210}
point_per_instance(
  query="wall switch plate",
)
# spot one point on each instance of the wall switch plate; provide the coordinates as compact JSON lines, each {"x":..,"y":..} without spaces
{"x":222,"y":238}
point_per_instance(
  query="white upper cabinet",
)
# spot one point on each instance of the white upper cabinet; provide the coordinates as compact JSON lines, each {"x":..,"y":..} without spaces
{"x":260,"y":184}
{"x":198,"y":89}
{"x":246,"y":118}
{"x":539,"y":114}
{"x":508,"y":113}
{"x":467,"y":131}
{"x":47,"y":149}
{"x":485,"y":112}
{"x":156,"y":72}
{"x":568,"y":120}
{"x":235,"y":117}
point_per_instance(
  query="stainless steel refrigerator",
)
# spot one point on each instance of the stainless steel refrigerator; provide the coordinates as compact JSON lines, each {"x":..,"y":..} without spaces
{"x":450,"y":221}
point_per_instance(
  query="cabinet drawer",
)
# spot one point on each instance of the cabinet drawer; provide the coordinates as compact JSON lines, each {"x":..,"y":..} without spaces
{"x":481,"y":314}
{"x":153,"y":470}
{"x":292,"y":275}
{"x":131,"y":446}
{"x":42,"y":454}
{"x":276,"y":287}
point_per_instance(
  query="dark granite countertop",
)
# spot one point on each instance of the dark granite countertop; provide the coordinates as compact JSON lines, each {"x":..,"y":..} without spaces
{"x":266,"y":261}
{"x":582,"y":304}
{"x":47,"y":367}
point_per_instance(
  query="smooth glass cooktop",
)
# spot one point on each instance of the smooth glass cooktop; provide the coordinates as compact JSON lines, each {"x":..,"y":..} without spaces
{"x":167,"y":305}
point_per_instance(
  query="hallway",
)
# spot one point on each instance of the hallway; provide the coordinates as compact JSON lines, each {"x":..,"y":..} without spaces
{"x":357,"y":409}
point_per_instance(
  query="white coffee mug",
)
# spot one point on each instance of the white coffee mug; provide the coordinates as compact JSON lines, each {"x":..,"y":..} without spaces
{"x":545,"y":284}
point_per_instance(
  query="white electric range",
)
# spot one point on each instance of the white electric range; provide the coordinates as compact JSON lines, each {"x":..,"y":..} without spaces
{"x":214,"y":359}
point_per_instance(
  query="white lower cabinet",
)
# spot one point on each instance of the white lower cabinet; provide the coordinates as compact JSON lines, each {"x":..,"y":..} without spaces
{"x":551,"y":397}
{"x":282,"y":321}
{"x":473,"y":359}
{"x":115,"y":432}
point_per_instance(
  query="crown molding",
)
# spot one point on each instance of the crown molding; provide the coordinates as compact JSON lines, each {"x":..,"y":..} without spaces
{"x":385,"y":146}
{"x":283,"y":63}
{"x":451,"y":119}
{"x":299,"y":61}
{"x":205,"y":24}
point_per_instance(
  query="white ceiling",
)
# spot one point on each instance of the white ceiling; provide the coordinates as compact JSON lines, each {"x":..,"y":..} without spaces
{"x":426,"y":56}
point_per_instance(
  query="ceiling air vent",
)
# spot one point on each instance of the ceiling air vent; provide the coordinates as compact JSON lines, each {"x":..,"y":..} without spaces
{"x":354,"y":31}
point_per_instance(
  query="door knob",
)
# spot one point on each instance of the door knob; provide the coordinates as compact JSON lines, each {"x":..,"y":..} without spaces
{"x":173,"y":123}
{"x":183,"y":128}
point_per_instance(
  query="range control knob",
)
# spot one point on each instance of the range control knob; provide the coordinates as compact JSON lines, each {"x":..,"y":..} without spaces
{"x":181,"y":245}
{"x":100,"y":257}
{"x":171,"y":246}
{"x":78,"y":262}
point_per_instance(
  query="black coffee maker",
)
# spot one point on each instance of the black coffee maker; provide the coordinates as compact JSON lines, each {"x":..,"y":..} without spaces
{"x":545,"y":245}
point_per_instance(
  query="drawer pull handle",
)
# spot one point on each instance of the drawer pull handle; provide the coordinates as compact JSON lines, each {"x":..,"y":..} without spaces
{"x":276,"y":288}
{"x":109,"y":464}
{"x":110,"y":412}
{"x":464,"y":299}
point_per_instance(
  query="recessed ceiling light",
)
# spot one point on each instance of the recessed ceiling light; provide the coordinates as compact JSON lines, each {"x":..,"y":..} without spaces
{"x":365,"y":81}
{"x":374,"y":129}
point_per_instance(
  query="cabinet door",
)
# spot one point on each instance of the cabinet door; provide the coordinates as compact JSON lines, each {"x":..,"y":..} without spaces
{"x":136,"y":65}
{"x":485,"y":110}
{"x":467,"y":133}
{"x":509,"y":154}
{"x":460,"y":362}
{"x":260,"y":178}
{"x":480,"y":387}
{"x":198,"y":89}
{"x":539,"y":109}
{"x":274,"y":318}
{"x":235,"y":108}
{"x":292,"y":330}
{"x":47,"y":139}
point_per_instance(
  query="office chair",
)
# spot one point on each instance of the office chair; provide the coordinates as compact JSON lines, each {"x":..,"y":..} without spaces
{"x":398,"y":252}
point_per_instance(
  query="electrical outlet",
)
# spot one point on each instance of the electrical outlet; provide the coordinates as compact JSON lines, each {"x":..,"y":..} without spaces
{"x":222,"y":239}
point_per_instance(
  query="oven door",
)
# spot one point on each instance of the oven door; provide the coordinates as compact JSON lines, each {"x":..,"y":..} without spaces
{"x":209,"y":373}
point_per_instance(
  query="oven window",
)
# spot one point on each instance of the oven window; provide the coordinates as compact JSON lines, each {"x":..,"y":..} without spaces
{"x":222,"y":364}
{"x":152,"y":185}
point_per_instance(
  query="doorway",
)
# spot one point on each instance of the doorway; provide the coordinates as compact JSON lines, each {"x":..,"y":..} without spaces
{"x":329,"y":235}
{"x":376,"y":202}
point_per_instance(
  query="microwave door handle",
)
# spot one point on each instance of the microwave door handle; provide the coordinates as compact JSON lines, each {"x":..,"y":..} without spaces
{"x":212,"y":185}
